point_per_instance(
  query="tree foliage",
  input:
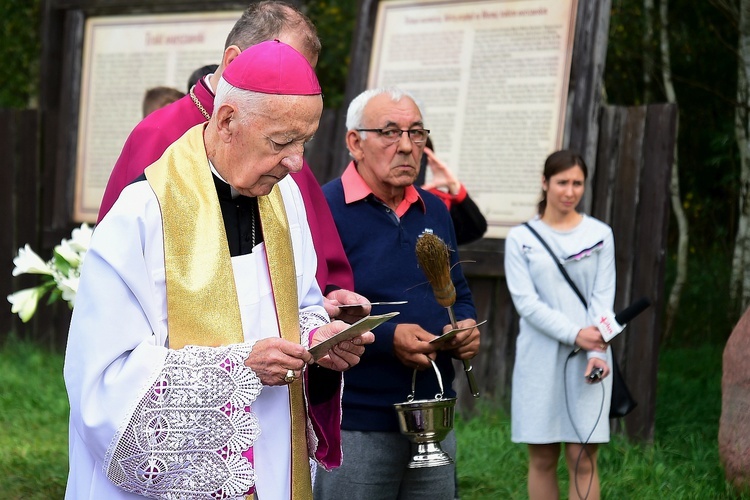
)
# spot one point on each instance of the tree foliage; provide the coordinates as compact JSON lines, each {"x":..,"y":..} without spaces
{"x":335,"y":21}
{"x":703,"y":41}
{"x":20,"y":27}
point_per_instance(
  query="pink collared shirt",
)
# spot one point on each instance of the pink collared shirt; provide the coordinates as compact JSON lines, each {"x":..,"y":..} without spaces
{"x":355,"y":189}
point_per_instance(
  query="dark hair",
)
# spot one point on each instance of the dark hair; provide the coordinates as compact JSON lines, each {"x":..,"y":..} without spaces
{"x":200,"y":73}
{"x":265,"y":20}
{"x":422,"y":175}
{"x":158,"y":97}
{"x":557,"y":162}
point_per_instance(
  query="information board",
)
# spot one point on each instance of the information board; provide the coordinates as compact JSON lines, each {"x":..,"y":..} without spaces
{"x":123,"y":56}
{"x":491,"y":77}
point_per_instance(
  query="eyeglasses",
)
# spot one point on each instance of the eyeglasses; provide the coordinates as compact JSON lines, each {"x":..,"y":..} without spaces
{"x":393,"y":135}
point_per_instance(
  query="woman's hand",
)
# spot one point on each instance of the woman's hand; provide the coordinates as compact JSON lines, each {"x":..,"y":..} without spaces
{"x":590,"y":339}
{"x":596,"y":364}
{"x":442,"y":177}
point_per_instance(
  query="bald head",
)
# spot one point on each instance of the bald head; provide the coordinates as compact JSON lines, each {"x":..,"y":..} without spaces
{"x":272,"y":19}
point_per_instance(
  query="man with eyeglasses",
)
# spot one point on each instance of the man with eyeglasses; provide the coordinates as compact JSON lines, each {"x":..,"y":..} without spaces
{"x":380,"y":214}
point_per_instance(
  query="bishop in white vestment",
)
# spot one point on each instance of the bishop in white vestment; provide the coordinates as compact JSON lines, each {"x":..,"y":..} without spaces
{"x":180,"y":370}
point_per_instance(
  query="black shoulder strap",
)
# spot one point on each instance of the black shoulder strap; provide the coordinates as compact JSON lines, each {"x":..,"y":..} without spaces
{"x":559,"y":265}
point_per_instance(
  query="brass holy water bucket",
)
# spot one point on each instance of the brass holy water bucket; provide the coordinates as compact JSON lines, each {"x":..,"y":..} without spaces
{"x":426,"y":422}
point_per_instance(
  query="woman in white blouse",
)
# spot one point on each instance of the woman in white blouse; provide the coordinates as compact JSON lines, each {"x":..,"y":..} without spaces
{"x":556,"y":396}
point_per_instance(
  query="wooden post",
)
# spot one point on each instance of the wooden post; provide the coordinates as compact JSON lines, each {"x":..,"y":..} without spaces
{"x":20,"y":202}
{"x":642,"y":354}
{"x":356,"y":80}
{"x":631,"y":193}
{"x":586,"y":74}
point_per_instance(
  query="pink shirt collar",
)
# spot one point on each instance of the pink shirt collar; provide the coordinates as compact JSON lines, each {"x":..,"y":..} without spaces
{"x":355,"y":189}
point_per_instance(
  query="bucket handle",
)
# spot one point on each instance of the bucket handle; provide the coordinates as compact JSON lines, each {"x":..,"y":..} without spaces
{"x":414,"y":383}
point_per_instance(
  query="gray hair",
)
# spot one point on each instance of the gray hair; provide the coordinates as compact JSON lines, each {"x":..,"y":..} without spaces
{"x":246,"y":100}
{"x":357,"y":107}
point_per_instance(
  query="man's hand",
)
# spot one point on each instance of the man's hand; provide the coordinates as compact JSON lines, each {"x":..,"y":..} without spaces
{"x":271,"y":359}
{"x":411,"y":344}
{"x":465,"y":345}
{"x":348,"y":314}
{"x":345,"y":354}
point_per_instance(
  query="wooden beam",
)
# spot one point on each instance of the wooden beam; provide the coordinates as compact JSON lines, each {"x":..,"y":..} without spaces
{"x":585,"y":88}
{"x":642,"y":356}
{"x":154,"y":6}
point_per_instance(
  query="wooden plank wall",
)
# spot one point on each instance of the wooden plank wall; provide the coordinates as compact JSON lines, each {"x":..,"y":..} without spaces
{"x":493,"y":366}
{"x":328,"y":148}
{"x":635,"y":155}
{"x":21,"y":215}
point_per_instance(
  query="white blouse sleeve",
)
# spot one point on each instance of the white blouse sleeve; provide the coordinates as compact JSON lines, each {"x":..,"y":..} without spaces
{"x":526,"y":299}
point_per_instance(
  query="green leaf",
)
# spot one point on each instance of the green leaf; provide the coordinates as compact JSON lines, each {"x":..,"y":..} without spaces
{"x":62,"y":265}
{"x":54,"y":296}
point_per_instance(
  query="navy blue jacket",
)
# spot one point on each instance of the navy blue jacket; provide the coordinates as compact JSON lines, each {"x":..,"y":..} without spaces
{"x":381,"y":251}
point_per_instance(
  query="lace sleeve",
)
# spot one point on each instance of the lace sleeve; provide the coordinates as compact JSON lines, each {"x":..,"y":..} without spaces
{"x":309,"y":321}
{"x":187,"y":434}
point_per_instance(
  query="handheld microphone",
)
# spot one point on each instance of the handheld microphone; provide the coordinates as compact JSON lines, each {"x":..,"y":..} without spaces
{"x":609,"y":326}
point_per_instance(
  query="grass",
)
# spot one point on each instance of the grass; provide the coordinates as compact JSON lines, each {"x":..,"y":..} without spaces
{"x":33,"y":423}
{"x":682,"y":463}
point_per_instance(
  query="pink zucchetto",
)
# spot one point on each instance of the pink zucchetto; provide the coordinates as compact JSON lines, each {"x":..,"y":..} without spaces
{"x":272,"y":67}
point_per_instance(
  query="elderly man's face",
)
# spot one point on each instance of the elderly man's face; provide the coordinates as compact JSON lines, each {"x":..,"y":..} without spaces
{"x":270,"y":143}
{"x":386,"y":165}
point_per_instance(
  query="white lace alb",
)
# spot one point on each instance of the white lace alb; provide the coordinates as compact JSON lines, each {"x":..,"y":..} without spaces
{"x":186,"y":437}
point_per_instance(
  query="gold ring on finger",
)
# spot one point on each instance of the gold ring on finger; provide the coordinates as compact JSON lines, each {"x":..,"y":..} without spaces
{"x":289,"y":376}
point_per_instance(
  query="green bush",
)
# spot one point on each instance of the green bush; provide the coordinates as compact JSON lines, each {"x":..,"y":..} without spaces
{"x":334,"y":20}
{"x":20,"y":27}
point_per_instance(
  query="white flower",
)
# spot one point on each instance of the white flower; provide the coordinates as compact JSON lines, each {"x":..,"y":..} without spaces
{"x":66,"y":251}
{"x":25,"y":301}
{"x":69,"y":287}
{"x":81,"y":238}
{"x":62,"y":272}
{"x":28,"y":262}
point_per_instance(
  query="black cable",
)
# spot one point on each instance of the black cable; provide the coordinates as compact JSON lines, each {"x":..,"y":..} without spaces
{"x":578,"y":435}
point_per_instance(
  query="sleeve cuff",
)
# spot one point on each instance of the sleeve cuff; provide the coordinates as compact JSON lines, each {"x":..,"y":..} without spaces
{"x":461,"y":195}
{"x":596,"y":354}
{"x":571,"y":338}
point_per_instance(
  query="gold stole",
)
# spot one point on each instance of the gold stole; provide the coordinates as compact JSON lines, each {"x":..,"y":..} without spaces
{"x":202,"y":303}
